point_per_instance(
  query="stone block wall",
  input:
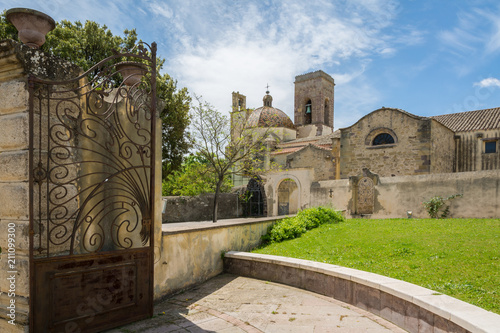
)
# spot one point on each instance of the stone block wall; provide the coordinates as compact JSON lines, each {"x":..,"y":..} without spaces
{"x":442,"y":148}
{"x":409,"y":155}
{"x":17,"y":61}
{"x":199,"y":208}
{"x":14,"y":195}
{"x":313,"y":157}
{"x":319,"y":88}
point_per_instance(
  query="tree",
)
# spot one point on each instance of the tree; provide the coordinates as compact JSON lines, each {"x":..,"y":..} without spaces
{"x":87,"y":44}
{"x":211,"y":138}
{"x":195,"y":177}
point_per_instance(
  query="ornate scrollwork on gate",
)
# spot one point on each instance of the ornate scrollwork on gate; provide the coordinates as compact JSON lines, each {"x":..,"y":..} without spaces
{"x":93,"y":157}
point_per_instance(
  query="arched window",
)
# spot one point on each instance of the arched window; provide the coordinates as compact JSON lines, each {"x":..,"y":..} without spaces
{"x":308,"y":112}
{"x":383,"y":139}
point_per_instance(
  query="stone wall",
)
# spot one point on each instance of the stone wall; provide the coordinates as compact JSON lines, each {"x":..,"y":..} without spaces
{"x":411,"y":307}
{"x":394,"y":196}
{"x":313,"y":157}
{"x":17,"y":61}
{"x":319,"y":88}
{"x":14,"y":202}
{"x":199,"y":208}
{"x":193,"y":254}
{"x":442,"y":148}
{"x":409,"y":155}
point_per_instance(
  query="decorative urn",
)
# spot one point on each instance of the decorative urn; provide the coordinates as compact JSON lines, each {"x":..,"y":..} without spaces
{"x":32,"y":25}
{"x":131,"y":71}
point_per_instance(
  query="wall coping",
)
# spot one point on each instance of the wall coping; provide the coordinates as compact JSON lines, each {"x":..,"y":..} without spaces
{"x":466,"y":315}
{"x":186,"y":227}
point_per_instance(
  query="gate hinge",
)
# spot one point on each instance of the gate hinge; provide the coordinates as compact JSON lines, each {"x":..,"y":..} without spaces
{"x":146,"y":221}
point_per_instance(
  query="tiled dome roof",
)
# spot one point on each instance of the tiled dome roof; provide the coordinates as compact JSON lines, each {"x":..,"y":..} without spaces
{"x":267,"y":116}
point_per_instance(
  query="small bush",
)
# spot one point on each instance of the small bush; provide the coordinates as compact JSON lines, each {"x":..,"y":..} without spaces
{"x":306,"y":219}
{"x":435,"y":203}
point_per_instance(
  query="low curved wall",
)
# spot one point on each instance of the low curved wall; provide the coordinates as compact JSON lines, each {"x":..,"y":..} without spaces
{"x":411,"y":307}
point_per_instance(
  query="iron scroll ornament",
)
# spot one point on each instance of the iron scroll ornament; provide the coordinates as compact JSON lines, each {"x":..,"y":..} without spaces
{"x":93,"y":157}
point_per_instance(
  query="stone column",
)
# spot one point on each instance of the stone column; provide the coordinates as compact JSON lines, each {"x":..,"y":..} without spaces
{"x":17,"y":62}
{"x":14,"y":197}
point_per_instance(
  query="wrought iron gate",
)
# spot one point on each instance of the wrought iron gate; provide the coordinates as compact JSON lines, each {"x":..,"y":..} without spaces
{"x":256,"y":204}
{"x":92,"y":153}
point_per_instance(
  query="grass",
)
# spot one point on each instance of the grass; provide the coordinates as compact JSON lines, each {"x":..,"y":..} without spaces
{"x":456,"y":257}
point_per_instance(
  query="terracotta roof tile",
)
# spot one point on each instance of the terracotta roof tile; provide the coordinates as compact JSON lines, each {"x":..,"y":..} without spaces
{"x":286,"y":150}
{"x":296,"y":149}
{"x":471,"y":120}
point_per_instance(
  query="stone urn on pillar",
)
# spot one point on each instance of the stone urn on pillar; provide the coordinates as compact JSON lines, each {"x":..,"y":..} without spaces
{"x":32,"y":25}
{"x":131,"y":71}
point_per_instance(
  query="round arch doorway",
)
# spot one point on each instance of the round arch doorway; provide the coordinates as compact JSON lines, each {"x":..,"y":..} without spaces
{"x":288,"y":197}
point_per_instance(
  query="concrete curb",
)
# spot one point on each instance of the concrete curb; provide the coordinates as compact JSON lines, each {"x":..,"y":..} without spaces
{"x":409,"y":306}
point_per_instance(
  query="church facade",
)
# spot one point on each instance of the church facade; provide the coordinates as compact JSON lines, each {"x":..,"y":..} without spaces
{"x":387,"y":142}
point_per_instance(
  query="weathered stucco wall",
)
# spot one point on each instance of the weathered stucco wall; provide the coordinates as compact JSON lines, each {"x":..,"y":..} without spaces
{"x":199,"y":208}
{"x":394,"y":196}
{"x":192,"y":256}
{"x":302,"y":177}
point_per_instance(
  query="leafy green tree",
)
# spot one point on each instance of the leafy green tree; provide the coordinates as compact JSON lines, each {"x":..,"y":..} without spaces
{"x":195,"y":177}
{"x":87,"y":44}
{"x":211,"y":138}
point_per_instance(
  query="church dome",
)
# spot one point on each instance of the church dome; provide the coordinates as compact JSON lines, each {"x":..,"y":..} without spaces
{"x":267,"y":116}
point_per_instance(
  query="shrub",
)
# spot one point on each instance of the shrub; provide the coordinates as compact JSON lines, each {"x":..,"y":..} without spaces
{"x":435,"y":203}
{"x":293,"y":227}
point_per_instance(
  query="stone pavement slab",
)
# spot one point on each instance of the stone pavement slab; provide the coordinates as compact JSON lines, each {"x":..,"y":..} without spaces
{"x":229,"y":303}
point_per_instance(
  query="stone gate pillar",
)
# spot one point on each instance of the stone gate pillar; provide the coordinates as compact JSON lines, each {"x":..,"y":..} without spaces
{"x":17,"y":62}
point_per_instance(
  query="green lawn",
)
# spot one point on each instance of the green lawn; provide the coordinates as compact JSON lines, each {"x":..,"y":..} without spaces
{"x":456,"y":257}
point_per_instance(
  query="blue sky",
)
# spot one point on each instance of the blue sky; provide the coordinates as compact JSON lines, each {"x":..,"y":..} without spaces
{"x":427,"y":57}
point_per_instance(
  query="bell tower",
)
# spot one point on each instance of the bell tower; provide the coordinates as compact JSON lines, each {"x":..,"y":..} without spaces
{"x":314,"y":96}
{"x":239,"y":114}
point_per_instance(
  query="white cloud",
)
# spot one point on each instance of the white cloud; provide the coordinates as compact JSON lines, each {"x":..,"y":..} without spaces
{"x":488,"y":82}
{"x":354,"y":100}
{"x":242,"y":46}
{"x":477,"y":30}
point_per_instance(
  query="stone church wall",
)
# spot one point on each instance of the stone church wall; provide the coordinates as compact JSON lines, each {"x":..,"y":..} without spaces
{"x":394,"y":196}
{"x":442,"y":148}
{"x":311,"y":157}
{"x":409,"y":155}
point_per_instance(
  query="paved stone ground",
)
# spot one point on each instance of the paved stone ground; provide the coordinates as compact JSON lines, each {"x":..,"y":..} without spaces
{"x":229,"y":303}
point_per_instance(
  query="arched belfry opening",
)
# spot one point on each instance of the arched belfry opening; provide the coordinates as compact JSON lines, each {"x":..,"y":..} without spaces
{"x":326,"y":113}
{"x":313,"y":105}
{"x":308,"y":112}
